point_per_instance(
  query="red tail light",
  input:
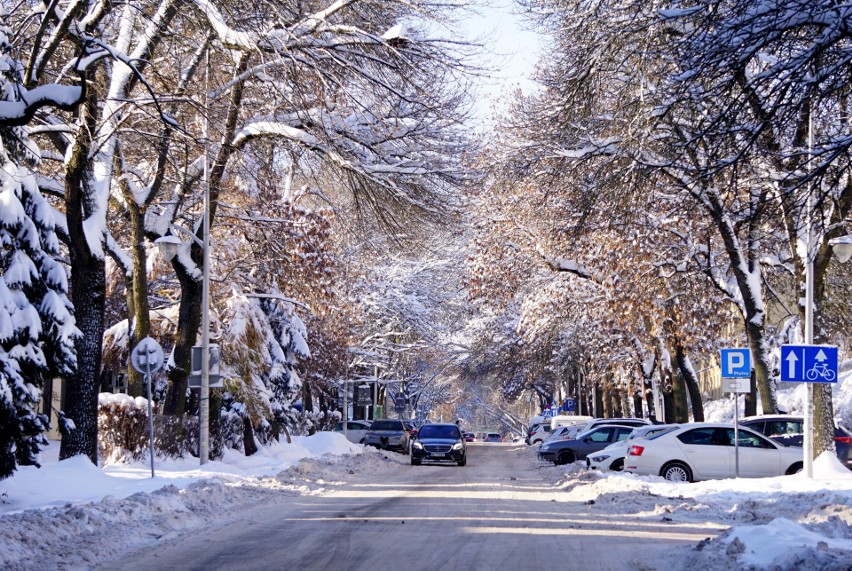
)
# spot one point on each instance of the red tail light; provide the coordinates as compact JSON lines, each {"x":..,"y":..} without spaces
{"x":843,"y":439}
{"x":636,"y":450}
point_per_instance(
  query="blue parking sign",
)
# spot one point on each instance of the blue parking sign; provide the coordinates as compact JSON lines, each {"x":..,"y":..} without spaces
{"x":809,"y":363}
{"x":736,"y":363}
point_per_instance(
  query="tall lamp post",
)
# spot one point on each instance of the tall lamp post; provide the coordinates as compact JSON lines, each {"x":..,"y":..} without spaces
{"x":842,"y":248}
{"x":168,"y":246}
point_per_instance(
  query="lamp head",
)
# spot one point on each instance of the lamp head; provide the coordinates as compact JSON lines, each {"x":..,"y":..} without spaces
{"x":168,"y":245}
{"x":842,"y":248}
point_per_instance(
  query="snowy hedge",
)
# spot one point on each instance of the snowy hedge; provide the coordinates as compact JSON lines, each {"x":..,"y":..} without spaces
{"x":123,"y":431}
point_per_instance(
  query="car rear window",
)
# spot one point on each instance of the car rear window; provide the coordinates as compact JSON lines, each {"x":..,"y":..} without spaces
{"x":432,"y":431}
{"x":387,"y":425}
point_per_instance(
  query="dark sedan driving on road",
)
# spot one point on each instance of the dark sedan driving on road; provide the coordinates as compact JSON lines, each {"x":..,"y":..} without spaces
{"x":439,"y":442}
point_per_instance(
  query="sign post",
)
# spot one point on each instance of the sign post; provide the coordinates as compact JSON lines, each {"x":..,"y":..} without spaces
{"x":808,"y":364}
{"x":147,"y":357}
{"x":736,"y":379}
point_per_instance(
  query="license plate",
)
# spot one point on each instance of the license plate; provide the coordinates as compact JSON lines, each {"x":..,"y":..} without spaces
{"x":434,"y":455}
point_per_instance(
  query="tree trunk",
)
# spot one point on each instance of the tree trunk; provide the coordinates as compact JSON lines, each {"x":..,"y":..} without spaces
{"x":88,"y":294}
{"x":248,"y":437}
{"x":137,"y":294}
{"x":679,"y":394}
{"x":688,"y":374}
{"x":189,"y":321}
{"x":750,"y":399}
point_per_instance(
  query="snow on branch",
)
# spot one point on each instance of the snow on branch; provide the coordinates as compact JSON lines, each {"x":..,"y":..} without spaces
{"x":21,"y":112}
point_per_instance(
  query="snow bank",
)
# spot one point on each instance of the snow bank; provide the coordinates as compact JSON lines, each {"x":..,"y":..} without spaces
{"x":77,"y":480}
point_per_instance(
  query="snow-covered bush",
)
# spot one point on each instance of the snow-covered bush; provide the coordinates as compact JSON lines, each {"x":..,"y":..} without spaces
{"x":123,"y":431}
{"x":122,"y":428}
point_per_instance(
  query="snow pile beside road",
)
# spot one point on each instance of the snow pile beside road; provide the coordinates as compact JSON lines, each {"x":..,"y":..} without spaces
{"x":789,"y":522}
{"x":72,"y":514}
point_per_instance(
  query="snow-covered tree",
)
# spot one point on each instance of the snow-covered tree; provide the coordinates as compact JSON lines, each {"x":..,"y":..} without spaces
{"x":37,"y":326}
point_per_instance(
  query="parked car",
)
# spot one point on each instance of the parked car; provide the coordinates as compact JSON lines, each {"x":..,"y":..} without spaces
{"x":561,"y":433}
{"x":705,"y":451}
{"x":355,"y":430}
{"x":567,"y":420}
{"x":439,"y":443}
{"x":409,"y":426}
{"x":567,"y":451}
{"x":493,"y":437}
{"x":789,"y":431}
{"x":612,"y":457}
{"x":592,"y":423}
{"x":538,"y":433}
{"x":388,"y":434}
{"x":469,"y":436}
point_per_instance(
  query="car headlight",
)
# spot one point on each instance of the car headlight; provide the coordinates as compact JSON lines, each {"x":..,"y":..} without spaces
{"x":544,"y":448}
{"x":600,"y":458}
{"x":418,"y":445}
{"x":457,"y":446}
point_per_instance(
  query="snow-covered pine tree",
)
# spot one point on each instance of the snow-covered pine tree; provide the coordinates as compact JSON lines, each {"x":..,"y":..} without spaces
{"x":287,"y":345}
{"x":36,"y":322}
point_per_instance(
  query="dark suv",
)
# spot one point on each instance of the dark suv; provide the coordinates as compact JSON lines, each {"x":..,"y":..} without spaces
{"x":388,"y":434}
{"x":439,"y":442}
{"x":789,"y":431}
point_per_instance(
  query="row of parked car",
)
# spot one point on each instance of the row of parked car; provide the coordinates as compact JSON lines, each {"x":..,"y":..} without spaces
{"x":768,"y":446}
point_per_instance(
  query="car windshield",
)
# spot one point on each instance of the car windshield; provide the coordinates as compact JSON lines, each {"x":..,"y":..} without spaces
{"x":386,"y":425}
{"x":437,"y":431}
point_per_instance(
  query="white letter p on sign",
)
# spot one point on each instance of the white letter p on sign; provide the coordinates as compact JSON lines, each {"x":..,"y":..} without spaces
{"x":735,"y":361}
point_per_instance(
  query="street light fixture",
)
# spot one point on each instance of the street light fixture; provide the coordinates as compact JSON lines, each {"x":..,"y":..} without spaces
{"x":842,"y":248}
{"x":168,"y":246}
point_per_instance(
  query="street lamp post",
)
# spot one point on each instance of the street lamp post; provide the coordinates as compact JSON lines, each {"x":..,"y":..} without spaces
{"x":842,"y":248}
{"x":168,"y":246}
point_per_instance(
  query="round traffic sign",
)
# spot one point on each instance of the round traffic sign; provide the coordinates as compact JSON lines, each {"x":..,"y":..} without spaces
{"x":147,"y":356}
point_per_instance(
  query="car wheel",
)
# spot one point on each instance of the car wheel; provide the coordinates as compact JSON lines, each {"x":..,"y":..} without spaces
{"x":463,"y":461}
{"x":676,"y":472}
{"x":617,"y":466}
{"x":565,"y":457}
{"x":794,"y":469}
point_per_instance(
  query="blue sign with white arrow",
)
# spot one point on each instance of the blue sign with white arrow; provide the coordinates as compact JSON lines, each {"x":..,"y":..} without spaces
{"x":809,"y":363}
{"x":736,"y":363}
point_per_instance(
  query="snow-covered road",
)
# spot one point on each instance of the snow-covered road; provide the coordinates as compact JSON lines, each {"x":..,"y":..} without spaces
{"x":323,"y":503}
{"x":499,"y":512}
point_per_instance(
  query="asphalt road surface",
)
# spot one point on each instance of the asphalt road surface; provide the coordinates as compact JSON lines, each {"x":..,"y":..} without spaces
{"x":495,"y":513}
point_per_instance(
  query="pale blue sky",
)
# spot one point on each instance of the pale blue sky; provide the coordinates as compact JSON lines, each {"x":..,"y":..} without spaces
{"x":511,"y":50}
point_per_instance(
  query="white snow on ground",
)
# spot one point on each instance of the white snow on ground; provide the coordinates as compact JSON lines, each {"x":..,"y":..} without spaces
{"x":72,"y":515}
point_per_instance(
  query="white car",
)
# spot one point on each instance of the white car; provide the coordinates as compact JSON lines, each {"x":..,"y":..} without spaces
{"x":705,"y":451}
{"x":355,"y":430}
{"x":612,"y":457}
{"x":558,"y":433}
{"x":538,"y":433}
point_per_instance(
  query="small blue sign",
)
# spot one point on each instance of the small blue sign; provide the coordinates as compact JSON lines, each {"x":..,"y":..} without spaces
{"x":570,"y":405}
{"x":809,"y":363}
{"x":547,"y":413}
{"x":736,"y":363}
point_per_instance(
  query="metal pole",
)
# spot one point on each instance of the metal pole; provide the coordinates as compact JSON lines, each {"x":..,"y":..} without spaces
{"x":737,"y":433}
{"x":807,"y":445}
{"x":150,"y":416}
{"x":204,"y":399}
{"x":345,"y":406}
